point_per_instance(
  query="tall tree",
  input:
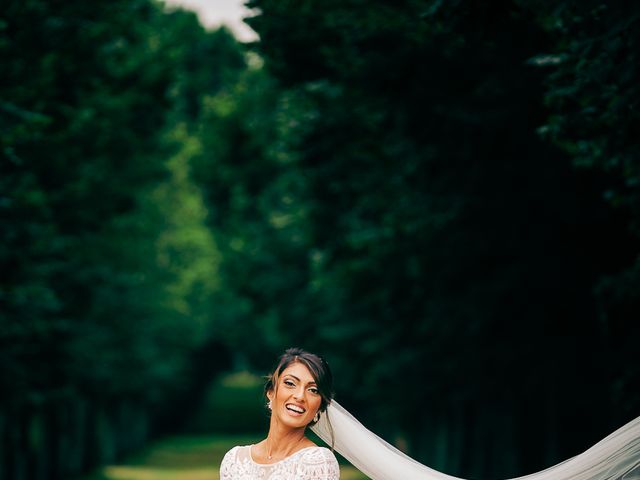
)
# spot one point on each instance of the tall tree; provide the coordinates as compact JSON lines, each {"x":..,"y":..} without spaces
{"x":107,"y":266}
{"x":449,"y":244}
{"x":594,"y":98}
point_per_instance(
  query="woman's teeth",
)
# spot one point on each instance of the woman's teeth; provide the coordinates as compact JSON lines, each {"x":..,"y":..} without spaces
{"x":295,"y":408}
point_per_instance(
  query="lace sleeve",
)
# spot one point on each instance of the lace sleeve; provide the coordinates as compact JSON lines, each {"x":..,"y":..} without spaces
{"x":226,"y":466}
{"x":318,"y":464}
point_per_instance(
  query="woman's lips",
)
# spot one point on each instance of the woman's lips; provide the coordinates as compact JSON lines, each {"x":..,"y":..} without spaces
{"x":295,"y":410}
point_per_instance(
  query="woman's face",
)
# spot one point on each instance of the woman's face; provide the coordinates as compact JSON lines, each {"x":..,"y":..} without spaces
{"x":296,"y":398}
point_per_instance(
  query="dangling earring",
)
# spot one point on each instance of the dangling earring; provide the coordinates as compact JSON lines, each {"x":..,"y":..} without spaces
{"x":269,"y":405}
{"x":316,"y":417}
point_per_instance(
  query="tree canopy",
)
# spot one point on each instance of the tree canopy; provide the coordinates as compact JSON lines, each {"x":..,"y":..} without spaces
{"x":440,"y":197}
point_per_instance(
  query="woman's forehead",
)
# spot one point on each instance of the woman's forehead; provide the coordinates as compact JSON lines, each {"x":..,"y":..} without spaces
{"x":299,"y":371}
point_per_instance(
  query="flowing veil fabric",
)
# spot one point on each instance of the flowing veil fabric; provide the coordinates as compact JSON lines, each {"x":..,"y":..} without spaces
{"x":615,"y":457}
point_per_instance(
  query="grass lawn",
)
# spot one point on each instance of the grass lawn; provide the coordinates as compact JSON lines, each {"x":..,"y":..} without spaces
{"x":186,"y":458}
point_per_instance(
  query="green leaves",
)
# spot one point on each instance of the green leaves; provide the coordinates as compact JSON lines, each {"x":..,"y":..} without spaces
{"x":448,"y":242}
{"x":108,"y":266}
{"x":433,"y":194}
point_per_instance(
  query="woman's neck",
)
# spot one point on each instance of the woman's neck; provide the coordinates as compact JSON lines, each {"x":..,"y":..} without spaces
{"x":282,"y":442}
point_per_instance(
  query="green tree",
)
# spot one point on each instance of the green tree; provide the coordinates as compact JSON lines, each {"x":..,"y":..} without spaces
{"x":593,"y":97}
{"x":450,"y":245}
{"x":108,"y":268}
{"x":253,"y":194}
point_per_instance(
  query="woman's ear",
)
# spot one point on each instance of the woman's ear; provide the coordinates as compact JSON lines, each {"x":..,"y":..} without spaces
{"x":270,"y":394}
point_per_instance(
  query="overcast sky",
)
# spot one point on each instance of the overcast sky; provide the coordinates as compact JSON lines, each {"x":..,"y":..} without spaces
{"x":213,"y":13}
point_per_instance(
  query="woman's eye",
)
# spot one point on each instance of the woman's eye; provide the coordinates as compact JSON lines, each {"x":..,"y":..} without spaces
{"x":289,"y":383}
{"x":314,"y":391}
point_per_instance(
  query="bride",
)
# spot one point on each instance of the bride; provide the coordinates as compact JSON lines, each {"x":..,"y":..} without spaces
{"x":300,"y":395}
{"x":298,"y":391}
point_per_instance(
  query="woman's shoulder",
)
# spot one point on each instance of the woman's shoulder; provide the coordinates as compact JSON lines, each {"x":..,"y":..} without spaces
{"x":236,"y":453}
{"x":236,"y":464}
{"x":319,"y":458}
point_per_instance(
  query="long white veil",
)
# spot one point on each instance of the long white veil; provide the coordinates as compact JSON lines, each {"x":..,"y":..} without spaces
{"x":617,"y":457}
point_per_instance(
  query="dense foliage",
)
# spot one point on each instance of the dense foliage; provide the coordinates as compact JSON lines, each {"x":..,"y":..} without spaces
{"x":441,"y":197}
{"x":464,"y":272}
{"x":108,"y":268}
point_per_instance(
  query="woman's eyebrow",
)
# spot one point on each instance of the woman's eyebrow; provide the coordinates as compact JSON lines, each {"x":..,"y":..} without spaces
{"x":312,"y":382}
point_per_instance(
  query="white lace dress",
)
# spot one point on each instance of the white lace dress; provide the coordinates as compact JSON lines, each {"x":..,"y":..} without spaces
{"x":311,"y":463}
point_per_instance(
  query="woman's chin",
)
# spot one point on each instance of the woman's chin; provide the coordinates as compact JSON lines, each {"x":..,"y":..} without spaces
{"x":295,"y":421}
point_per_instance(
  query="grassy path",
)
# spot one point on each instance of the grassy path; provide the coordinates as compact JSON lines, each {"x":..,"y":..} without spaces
{"x":186,"y":458}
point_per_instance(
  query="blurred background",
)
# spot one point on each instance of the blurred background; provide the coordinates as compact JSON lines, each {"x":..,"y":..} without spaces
{"x":442,"y":198}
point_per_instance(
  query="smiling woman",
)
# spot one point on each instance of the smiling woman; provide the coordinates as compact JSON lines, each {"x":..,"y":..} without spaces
{"x":296,"y":400}
{"x":298,"y":391}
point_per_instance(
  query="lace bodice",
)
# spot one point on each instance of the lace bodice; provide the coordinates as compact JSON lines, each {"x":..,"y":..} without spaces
{"x":311,"y":463}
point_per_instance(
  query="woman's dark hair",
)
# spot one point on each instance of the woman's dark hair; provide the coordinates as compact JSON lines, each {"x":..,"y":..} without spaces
{"x":318,"y":367}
